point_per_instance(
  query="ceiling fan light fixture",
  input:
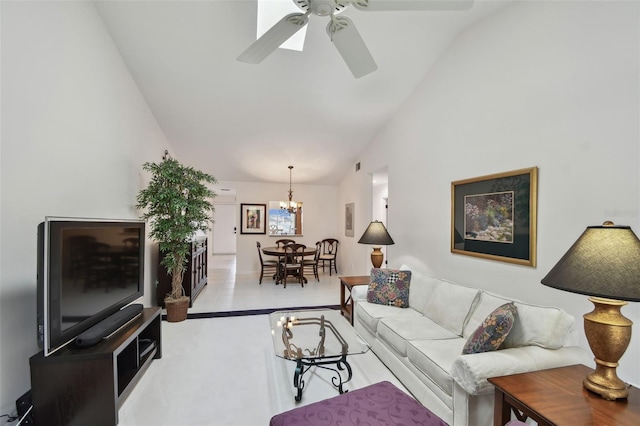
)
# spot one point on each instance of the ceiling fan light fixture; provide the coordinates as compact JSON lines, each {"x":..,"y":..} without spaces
{"x":322,"y":7}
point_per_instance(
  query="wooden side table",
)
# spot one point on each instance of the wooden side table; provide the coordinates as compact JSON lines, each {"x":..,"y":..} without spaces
{"x":557,"y":397}
{"x":346,"y":285}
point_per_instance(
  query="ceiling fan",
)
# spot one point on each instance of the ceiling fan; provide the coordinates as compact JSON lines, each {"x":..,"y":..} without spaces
{"x":340,"y":29}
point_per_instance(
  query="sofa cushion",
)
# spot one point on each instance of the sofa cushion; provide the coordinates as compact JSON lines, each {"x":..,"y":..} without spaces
{"x":450,"y":305}
{"x":435,"y":359}
{"x":396,"y":331}
{"x":389,"y":287}
{"x":368,"y":314}
{"x":491,"y":333}
{"x":421,"y":288}
{"x":542,"y":326}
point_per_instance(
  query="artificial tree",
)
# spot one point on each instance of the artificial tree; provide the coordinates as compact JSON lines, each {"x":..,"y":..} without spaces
{"x":178,"y":203}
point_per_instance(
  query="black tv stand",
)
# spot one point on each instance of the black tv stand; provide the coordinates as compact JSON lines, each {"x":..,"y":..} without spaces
{"x":87,"y":386}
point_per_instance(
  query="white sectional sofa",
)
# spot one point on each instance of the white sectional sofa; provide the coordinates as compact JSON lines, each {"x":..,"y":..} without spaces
{"x":422,"y":344}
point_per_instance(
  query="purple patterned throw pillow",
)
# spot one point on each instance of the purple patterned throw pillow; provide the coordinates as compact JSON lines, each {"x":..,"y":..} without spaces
{"x":493,"y":330}
{"x":389,"y":287}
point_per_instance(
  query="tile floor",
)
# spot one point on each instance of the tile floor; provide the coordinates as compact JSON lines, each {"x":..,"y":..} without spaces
{"x":228,"y":291}
{"x":223,"y":371}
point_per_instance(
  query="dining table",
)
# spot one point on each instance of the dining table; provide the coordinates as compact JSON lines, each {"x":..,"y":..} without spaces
{"x":279,"y":251}
{"x":309,"y":251}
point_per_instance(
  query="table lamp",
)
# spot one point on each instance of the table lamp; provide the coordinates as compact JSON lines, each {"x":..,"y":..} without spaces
{"x":603,"y":263}
{"x":377,"y":235}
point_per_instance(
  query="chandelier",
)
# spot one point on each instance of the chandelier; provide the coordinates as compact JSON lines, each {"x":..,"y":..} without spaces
{"x":291,"y":206}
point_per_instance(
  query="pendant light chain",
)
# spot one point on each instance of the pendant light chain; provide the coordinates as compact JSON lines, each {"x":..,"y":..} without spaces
{"x":291,"y":206}
{"x":290,"y":190}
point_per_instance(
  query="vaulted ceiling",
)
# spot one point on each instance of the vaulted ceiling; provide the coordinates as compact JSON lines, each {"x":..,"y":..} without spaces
{"x":243,"y":122}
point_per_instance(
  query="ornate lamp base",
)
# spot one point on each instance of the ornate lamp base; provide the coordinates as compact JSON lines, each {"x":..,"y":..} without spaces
{"x":376,"y":257}
{"x":608,"y":333}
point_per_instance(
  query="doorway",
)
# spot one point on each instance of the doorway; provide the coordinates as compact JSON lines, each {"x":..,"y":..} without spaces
{"x":380,"y":202}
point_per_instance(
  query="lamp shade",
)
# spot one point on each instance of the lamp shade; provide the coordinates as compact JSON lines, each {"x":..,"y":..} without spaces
{"x":376,"y":234}
{"x":603,"y":262}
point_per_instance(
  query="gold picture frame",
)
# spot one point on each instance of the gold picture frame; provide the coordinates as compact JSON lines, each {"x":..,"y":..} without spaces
{"x":495,"y":216}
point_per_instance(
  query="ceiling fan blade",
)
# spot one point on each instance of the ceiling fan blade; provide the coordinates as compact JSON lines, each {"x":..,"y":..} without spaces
{"x":390,"y":5}
{"x":274,"y":37}
{"x":354,"y":52}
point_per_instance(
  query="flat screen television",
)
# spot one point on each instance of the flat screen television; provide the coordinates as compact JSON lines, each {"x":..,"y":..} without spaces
{"x":88,"y":269}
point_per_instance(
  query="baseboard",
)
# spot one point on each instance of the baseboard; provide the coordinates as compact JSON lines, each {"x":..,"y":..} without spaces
{"x":240,"y":313}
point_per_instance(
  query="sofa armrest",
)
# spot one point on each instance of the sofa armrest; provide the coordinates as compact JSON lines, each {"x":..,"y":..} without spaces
{"x":471,"y":371}
{"x":359,"y":293}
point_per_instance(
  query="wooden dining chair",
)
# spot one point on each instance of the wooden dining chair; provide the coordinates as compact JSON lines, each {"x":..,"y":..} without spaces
{"x":283,"y":242}
{"x":269,"y":266}
{"x":311,"y":265}
{"x":329,"y":253}
{"x":292,"y":263}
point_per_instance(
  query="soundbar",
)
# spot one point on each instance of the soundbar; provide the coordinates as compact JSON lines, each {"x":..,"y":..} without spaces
{"x":108,"y":326}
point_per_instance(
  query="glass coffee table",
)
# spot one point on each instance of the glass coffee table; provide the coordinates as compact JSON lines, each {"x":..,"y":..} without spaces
{"x":316,"y":338}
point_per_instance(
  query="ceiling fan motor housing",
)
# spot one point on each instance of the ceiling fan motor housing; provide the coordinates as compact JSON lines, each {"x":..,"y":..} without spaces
{"x":320,"y":7}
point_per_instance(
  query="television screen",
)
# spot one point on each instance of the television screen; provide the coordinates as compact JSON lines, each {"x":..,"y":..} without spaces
{"x":87,"y":270}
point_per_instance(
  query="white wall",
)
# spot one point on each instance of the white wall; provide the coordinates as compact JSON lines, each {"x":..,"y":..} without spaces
{"x":547,"y":84}
{"x":356,"y":187}
{"x":75,"y":132}
{"x":318,"y":220}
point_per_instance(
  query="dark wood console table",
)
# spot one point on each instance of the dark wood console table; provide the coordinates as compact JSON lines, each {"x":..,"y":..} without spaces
{"x":195,"y":273}
{"x":87,"y":386}
{"x":557,"y":397}
{"x":346,"y":301}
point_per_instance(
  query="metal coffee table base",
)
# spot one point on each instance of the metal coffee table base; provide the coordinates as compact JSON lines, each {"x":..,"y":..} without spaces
{"x":316,"y":338}
{"x":341,"y":364}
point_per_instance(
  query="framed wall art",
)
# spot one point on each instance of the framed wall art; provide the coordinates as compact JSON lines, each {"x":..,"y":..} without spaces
{"x":349,"y":212}
{"x":253,"y":218}
{"x":494,"y":216}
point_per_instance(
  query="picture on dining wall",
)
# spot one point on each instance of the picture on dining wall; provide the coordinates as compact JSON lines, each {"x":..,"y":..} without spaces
{"x":349,"y":212}
{"x":253,"y":218}
{"x":494,"y":216}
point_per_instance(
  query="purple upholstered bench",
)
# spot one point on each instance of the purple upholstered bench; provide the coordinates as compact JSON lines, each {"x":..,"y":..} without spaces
{"x":378,"y":404}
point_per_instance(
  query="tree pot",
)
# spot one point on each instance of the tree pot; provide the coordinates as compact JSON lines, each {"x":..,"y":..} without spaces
{"x":176,"y":308}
